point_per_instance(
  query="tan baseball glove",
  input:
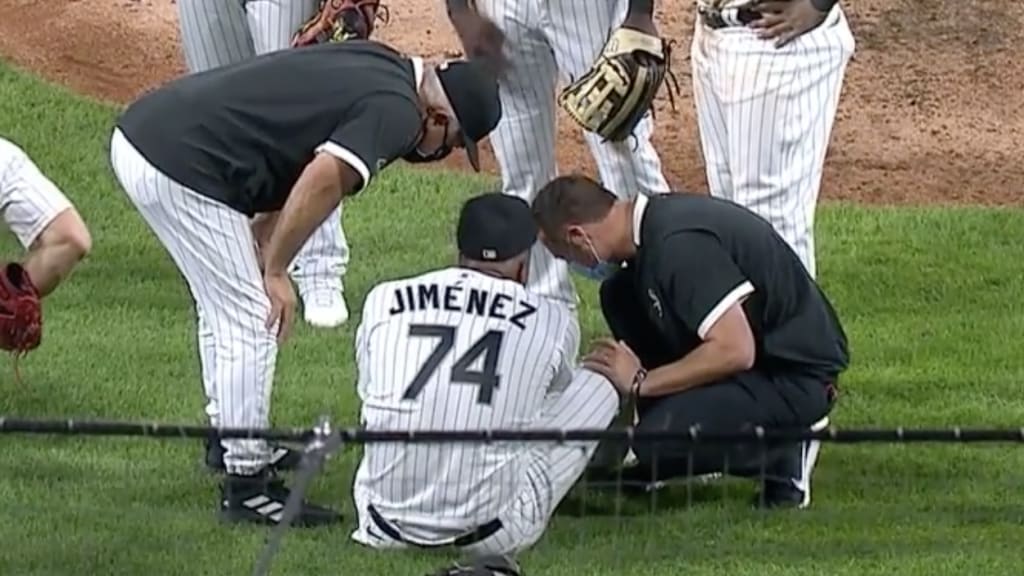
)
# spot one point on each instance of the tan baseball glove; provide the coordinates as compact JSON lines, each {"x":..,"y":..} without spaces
{"x":619,"y":88}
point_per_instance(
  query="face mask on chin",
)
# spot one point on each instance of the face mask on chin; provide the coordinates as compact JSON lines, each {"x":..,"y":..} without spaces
{"x":418,"y":157}
{"x":600,"y":271}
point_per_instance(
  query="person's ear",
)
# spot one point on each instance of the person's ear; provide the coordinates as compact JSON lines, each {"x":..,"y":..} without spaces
{"x":575,"y":236}
{"x":436,"y":116}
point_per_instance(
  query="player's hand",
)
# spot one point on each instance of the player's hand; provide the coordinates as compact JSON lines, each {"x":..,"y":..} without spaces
{"x":785,"y":20}
{"x":481,"y":39}
{"x":615,"y":361}
{"x":641,"y":22}
{"x":282,"y":303}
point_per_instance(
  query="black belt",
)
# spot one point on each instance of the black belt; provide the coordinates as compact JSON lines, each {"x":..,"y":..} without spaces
{"x":482,"y":532}
{"x":716,"y":18}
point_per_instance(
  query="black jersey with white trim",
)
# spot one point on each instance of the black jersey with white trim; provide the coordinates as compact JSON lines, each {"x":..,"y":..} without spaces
{"x":243,"y":133}
{"x":698,"y":255}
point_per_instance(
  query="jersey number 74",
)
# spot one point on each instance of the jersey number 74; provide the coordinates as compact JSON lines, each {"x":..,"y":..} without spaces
{"x":486,"y":379}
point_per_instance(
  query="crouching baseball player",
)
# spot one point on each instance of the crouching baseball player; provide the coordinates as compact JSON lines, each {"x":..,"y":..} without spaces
{"x":283,"y":137}
{"x":469,"y":348}
{"x":55,"y":239}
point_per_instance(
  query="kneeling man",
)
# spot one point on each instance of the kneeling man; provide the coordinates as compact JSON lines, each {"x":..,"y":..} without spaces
{"x":717,"y":326}
{"x":468,"y":348}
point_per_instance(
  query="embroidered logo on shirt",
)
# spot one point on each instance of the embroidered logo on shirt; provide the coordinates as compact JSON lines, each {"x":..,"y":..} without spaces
{"x":655,"y":303}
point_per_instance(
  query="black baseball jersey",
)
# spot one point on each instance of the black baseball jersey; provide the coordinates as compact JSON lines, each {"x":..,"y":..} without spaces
{"x":699,"y":255}
{"x":243,"y":133}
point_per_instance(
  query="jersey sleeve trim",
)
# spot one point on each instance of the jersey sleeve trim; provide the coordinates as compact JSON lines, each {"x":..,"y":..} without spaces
{"x":734,"y":296}
{"x":348,"y":157}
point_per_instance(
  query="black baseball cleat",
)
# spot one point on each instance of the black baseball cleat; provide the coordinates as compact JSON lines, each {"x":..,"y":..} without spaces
{"x":787,"y":484}
{"x":281,"y":459}
{"x":261,"y":499}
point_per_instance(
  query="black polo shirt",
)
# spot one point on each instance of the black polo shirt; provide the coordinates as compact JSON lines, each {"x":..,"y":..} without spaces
{"x":699,"y":255}
{"x":242,"y":134}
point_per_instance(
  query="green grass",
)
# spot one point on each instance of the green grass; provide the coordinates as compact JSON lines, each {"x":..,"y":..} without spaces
{"x":932,"y":300}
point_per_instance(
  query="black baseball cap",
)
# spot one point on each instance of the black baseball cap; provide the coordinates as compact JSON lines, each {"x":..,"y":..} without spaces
{"x":495,"y":227}
{"x":473,"y":92}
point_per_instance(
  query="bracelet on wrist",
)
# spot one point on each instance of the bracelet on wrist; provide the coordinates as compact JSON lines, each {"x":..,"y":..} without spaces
{"x":638,"y":379}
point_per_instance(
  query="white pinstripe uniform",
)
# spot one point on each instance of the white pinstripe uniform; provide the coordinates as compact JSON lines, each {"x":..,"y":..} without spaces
{"x":471,"y":352}
{"x":216,"y":33}
{"x":547,"y":41}
{"x":213,"y":247}
{"x":765,"y":116}
{"x":29,"y":200}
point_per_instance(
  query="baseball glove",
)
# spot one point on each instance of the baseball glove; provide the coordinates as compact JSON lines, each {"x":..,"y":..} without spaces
{"x":612,"y":97}
{"x":483,"y":566}
{"x":21,"y":317}
{"x":340,"y":20}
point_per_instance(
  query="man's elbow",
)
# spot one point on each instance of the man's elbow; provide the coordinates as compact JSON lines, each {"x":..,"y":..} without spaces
{"x":739,"y":354}
{"x":335,"y":177}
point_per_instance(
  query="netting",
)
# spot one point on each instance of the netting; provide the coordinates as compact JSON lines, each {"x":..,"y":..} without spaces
{"x":909,"y":498}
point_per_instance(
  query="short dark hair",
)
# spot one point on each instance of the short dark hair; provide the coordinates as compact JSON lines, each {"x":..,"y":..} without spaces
{"x":570,"y":200}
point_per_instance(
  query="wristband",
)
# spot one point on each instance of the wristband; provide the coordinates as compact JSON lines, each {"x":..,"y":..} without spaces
{"x":824,"y":5}
{"x":638,"y":379}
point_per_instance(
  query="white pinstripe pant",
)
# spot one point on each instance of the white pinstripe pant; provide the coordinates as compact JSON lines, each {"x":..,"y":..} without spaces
{"x":765,"y":118}
{"x":216,"y":33}
{"x":549,"y":471}
{"x":548,"y":41}
{"x":214,"y":249}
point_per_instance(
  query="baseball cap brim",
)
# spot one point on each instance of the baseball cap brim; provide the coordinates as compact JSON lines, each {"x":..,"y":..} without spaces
{"x":473,"y":94}
{"x":473,"y":153}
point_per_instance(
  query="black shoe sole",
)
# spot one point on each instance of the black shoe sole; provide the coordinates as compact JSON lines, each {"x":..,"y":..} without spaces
{"x":234,"y":516}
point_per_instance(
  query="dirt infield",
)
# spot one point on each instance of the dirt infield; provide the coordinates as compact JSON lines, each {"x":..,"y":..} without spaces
{"x":931,"y":109}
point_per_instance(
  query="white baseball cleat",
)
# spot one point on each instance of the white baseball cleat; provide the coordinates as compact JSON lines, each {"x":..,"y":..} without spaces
{"x":325,"y":308}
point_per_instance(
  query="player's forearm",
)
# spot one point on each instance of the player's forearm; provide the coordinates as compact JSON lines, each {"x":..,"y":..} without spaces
{"x":709,"y":362}
{"x":824,"y":5}
{"x":643,"y":8}
{"x":318,"y":192}
{"x":49,"y":265}
{"x":456,"y":6}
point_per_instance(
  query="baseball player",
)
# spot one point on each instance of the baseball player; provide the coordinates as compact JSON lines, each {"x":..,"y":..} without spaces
{"x":45,"y":222}
{"x":222,"y":32}
{"x":544,"y":42}
{"x":765,"y":133}
{"x":204,"y":154}
{"x":468,"y":347}
{"x":717,"y":327}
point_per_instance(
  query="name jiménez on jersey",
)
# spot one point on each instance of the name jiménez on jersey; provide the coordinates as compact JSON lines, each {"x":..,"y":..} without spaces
{"x":455,"y":298}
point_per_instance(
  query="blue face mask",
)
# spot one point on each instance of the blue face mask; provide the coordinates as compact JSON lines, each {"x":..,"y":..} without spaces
{"x":600,"y":271}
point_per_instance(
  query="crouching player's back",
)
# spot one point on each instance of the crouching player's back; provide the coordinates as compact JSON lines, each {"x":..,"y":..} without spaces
{"x":468,"y":348}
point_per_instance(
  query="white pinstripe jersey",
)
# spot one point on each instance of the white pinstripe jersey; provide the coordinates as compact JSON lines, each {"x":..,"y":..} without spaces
{"x":454,"y":349}
{"x":29,"y":200}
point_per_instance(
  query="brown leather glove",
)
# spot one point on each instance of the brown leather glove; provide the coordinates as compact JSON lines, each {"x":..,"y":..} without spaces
{"x":340,"y":20}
